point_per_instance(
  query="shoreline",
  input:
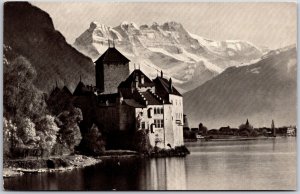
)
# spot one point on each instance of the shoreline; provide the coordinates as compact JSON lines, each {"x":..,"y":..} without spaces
{"x":231,"y":138}
{"x":19,"y":167}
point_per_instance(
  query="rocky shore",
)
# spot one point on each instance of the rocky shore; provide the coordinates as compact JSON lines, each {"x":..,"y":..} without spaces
{"x":32,"y":165}
{"x":18,"y":167}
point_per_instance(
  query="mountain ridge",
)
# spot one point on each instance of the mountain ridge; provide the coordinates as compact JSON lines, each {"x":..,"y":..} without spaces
{"x":168,"y":47}
{"x":261,"y":91}
{"x":30,"y":32}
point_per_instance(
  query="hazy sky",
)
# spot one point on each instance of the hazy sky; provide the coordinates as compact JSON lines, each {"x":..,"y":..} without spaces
{"x":265,"y":24}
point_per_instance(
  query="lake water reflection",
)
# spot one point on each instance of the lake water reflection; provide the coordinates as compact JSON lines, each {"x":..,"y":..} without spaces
{"x":235,"y":165}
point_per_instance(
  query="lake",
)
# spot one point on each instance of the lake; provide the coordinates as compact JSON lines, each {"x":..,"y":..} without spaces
{"x":229,"y":165}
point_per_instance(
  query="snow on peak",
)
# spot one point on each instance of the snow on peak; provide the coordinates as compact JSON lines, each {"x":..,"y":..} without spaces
{"x":172,"y":23}
{"x":126,"y":25}
{"x":95,"y":24}
{"x":243,"y":42}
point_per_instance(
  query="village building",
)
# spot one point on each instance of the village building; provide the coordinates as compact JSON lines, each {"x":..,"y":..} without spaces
{"x":123,"y":103}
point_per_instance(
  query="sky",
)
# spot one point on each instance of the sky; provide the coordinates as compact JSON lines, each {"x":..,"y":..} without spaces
{"x":273,"y":25}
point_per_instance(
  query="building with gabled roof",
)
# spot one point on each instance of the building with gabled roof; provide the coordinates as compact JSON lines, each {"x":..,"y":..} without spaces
{"x":59,"y":99}
{"x":131,"y":103}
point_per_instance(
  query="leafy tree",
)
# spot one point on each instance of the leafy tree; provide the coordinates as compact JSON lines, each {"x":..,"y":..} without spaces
{"x":21,"y":97}
{"x":27,"y":132}
{"x":46,"y":129}
{"x":9,"y":137}
{"x":202,"y":129}
{"x":141,"y":142}
{"x":246,"y":129}
{"x":93,"y":141}
{"x":69,"y":134}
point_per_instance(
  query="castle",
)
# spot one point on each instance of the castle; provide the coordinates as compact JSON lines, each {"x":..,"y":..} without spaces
{"x":123,"y":103}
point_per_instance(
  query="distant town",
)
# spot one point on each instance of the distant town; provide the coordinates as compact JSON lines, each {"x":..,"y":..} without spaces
{"x":244,"y":132}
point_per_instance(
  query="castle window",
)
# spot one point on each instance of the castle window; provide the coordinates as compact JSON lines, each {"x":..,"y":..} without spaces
{"x":152,"y":127}
{"x":149,"y":113}
{"x":162,"y":123}
{"x":158,"y":110}
{"x":159,"y":123}
{"x":143,"y":125}
{"x":156,"y":123}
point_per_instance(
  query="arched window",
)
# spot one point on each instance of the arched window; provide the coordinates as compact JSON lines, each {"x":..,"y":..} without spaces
{"x":152,"y":127}
{"x":150,"y":113}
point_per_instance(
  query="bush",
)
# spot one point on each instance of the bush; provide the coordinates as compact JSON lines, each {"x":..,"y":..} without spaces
{"x":93,"y":142}
{"x":141,"y":142}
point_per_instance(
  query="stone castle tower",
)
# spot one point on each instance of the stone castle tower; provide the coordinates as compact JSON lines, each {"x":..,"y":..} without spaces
{"x":111,"y":69}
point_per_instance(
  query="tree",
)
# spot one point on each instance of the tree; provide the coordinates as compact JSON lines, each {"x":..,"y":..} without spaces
{"x":9,"y":137}
{"x":21,"y":97}
{"x":246,"y":126}
{"x":46,"y":129}
{"x":202,"y":129}
{"x":69,"y":134}
{"x":27,"y":132}
{"x":141,"y":142}
{"x":273,"y":128}
{"x":93,"y":141}
{"x":246,"y":129}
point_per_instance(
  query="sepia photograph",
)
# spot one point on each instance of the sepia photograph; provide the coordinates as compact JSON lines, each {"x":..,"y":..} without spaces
{"x":149,"y":96}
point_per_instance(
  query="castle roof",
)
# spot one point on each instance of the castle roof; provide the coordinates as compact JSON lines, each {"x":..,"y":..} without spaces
{"x":151,"y":98}
{"x":54,"y":92}
{"x":130,"y":81}
{"x":66,"y":91}
{"x":134,"y":103}
{"x":112,"y":55}
{"x":81,"y":89}
{"x":162,"y":87}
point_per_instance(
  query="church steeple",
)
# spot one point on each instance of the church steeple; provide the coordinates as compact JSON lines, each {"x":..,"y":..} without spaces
{"x":247,"y":122}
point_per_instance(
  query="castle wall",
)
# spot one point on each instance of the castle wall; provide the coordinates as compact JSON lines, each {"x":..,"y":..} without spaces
{"x":127,"y":119}
{"x":169,"y":132}
{"x":107,"y":117}
{"x":113,"y":75}
{"x":99,"y":76}
{"x":156,"y":133}
{"x":177,"y":114}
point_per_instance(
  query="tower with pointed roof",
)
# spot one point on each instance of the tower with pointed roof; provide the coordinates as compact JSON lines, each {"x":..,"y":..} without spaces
{"x":112,"y":68}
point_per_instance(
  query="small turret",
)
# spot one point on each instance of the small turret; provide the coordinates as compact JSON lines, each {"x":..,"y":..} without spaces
{"x":170,"y":85}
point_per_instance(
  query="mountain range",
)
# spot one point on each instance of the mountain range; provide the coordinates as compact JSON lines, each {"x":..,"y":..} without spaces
{"x":225,"y":82}
{"x":188,"y":58}
{"x":260,"y":92}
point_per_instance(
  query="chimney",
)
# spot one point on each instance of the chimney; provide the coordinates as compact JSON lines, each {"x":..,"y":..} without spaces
{"x":170,"y":85}
{"x":136,"y":81}
{"x":142,"y":79}
{"x":161,"y":74}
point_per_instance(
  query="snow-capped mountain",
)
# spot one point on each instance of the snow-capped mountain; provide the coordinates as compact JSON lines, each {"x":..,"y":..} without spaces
{"x":263,"y":91}
{"x":189,"y":59}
